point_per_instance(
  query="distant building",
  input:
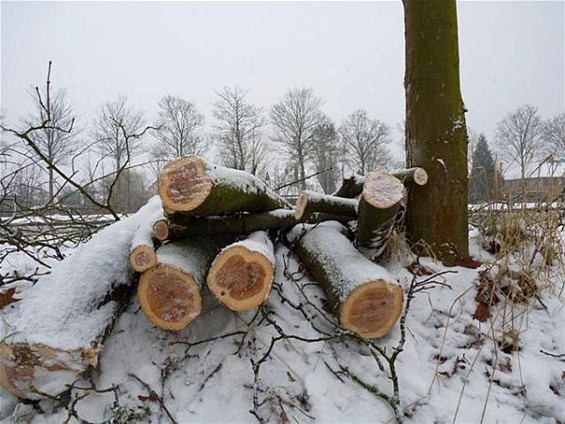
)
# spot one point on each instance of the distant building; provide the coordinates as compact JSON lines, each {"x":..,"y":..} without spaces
{"x":535,"y":189}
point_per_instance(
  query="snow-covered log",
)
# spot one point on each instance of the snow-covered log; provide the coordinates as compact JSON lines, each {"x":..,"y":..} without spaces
{"x":191,"y":186}
{"x":56,"y":332}
{"x":310,"y":201}
{"x":236,"y":224}
{"x":242,"y":274}
{"x":364,"y":296}
{"x":142,"y":249}
{"x":352,"y":184}
{"x":378,"y":207}
{"x":170,"y":293}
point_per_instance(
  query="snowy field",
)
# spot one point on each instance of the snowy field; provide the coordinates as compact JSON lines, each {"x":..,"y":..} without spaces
{"x":289,"y":363}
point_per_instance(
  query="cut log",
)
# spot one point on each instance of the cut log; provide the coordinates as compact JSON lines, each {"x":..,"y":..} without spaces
{"x":310,"y":201}
{"x":161,"y":230}
{"x":239,"y":224}
{"x":352,"y":184}
{"x":142,"y":249}
{"x":242,"y":274}
{"x":363,"y":295}
{"x":170,"y":293}
{"x":56,"y":332}
{"x":378,"y":208}
{"x":412,"y":176}
{"x":193,"y":187}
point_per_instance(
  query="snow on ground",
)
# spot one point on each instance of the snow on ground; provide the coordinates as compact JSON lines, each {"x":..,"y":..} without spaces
{"x":290,"y":363}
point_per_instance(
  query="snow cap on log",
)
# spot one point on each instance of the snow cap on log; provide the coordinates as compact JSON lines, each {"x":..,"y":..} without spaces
{"x":310,"y":201}
{"x":192,"y":186}
{"x":242,"y":274}
{"x":378,"y":207}
{"x":364,"y":295}
{"x":56,"y":331}
{"x":142,"y":249}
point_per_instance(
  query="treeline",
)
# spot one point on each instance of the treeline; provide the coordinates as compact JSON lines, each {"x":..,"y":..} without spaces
{"x":525,"y":145}
{"x":56,"y":160}
{"x":293,"y":145}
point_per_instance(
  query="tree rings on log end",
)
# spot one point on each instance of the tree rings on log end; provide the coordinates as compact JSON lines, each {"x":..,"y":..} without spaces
{"x":24,"y":366}
{"x":372,"y":309}
{"x":382,"y":190}
{"x":420,"y":176}
{"x":169,"y":297}
{"x":184,"y":184}
{"x":241,"y":279}
{"x":142,"y":258}
{"x":161,"y":230}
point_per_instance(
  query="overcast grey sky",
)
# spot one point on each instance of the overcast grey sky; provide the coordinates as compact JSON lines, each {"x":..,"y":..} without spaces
{"x":352,"y":53}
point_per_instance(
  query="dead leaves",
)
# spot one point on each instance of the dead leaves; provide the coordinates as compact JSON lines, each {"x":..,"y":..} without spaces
{"x":419,"y":270}
{"x":7,"y":297}
{"x":486,"y":297}
{"x":468,"y":262}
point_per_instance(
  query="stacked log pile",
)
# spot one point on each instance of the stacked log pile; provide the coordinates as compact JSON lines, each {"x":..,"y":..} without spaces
{"x":210,"y":232}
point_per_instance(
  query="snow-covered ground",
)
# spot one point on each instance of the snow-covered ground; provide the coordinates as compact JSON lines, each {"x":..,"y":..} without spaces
{"x":288,"y":362}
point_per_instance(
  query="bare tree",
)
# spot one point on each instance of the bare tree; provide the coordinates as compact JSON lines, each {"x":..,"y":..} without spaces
{"x":129,"y":192}
{"x":519,"y":137}
{"x":53,"y":112}
{"x":238,"y":130}
{"x":122,"y":156}
{"x":554,"y":134}
{"x":326,"y":155}
{"x":117,"y":129}
{"x":365,"y":141}
{"x":178,"y":123}
{"x":28,"y":190}
{"x":295,"y":119}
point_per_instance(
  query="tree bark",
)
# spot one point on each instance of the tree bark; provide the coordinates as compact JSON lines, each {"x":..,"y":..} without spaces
{"x":242,"y":274}
{"x":192,"y":187}
{"x":378,"y":208}
{"x":310,"y":201}
{"x":436,"y":136}
{"x":56,"y":332}
{"x":362,"y":294}
{"x":170,"y":293}
{"x":278,"y":219}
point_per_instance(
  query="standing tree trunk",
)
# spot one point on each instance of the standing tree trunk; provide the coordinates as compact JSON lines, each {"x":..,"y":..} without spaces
{"x":436,"y":135}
